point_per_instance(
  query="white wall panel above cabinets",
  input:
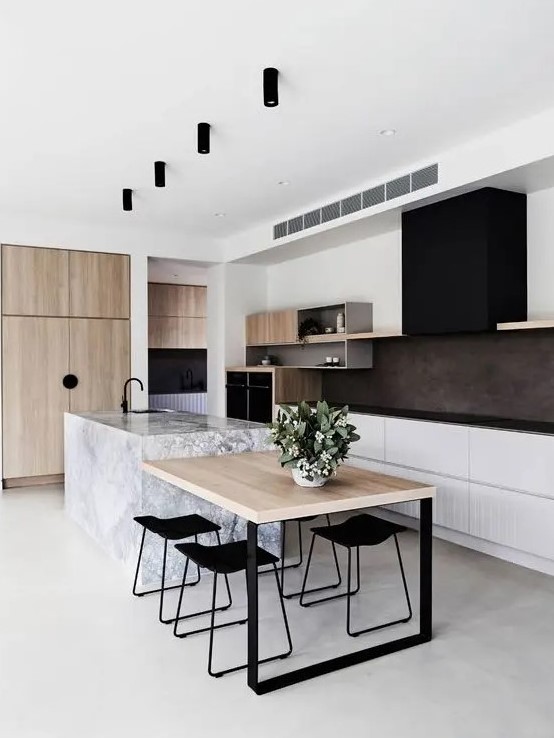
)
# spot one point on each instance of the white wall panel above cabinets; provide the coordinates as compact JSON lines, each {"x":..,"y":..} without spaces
{"x":371,"y":429}
{"x":438,"y":447}
{"x":518,"y":461}
{"x":512,"y":519}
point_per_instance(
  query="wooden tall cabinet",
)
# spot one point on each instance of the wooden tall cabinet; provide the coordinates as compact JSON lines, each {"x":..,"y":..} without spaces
{"x":63,"y":313}
{"x":176,"y":316}
{"x":35,"y":359}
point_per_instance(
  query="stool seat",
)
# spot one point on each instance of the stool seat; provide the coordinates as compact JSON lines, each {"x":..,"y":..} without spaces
{"x":226,"y":558}
{"x":359,"y":530}
{"x":174,"y":529}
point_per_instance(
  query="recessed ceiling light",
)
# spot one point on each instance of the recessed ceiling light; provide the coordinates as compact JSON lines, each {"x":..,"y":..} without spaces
{"x":284,"y":182}
{"x":388,"y":132}
{"x":219,"y":215}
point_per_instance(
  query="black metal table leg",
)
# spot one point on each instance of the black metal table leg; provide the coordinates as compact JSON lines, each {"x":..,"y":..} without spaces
{"x":252,"y":596}
{"x":426,"y":568}
{"x":357,"y":657}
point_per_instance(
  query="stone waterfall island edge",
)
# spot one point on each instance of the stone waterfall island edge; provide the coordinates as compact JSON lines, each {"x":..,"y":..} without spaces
{"x":105,"y":486}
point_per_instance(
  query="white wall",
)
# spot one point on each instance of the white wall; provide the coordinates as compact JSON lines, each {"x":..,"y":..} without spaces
{"x":234,"y":291}
{"x":174,"y":271}
{"x":368,"y":271}
{"x":540,"y":254}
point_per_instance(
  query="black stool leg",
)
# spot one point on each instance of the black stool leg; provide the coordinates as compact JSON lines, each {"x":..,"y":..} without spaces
{"x":290,"y":595}
{"x":160,"y":589}
{"x":213,"y":627}
{"x":356,"y":633}
{"x":348,"y":593}
{"x":178,"y":617}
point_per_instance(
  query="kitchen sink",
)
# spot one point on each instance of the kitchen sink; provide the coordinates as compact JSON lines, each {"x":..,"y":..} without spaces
{"x":150,"y":410}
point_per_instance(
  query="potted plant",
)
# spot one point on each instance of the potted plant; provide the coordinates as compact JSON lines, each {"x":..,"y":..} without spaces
{"x":312,"y":444}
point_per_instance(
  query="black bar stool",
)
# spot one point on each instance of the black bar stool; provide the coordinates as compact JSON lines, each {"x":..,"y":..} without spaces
{"x":357,"y":531}
{"x":300,"y":561}
{"x":225,"y":559}
{"x":172,"y":529}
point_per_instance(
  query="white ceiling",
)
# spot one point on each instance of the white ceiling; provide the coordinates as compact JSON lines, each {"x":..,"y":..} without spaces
{"x":93,"y":93}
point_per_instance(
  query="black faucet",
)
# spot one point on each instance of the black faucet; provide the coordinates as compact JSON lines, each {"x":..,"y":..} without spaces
{"x":124,"y":402}
{"x":188,"y":375}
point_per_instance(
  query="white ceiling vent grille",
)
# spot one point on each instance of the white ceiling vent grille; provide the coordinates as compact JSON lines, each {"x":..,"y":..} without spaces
{"x":360,"y":201}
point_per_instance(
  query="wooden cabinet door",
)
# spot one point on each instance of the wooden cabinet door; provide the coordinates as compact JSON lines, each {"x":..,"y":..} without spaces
{"x":35,"y":355}
{"x":283,"y":326}
{"x":257,"y":329}
{"x":100,"y":358}
{"x":176,"y":300}
{"x":176,"y":333}
{"x":35,"y":281}
{"x":98,"y":285}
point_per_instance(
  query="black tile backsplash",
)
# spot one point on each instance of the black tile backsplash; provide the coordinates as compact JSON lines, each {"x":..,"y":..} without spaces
{"x":167,"y":370}
{"x":504,"y":374}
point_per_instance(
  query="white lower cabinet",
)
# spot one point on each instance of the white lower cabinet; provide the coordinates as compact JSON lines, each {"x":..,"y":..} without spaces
{"x":512,"y":519}
{"x":518,"y":461}
{"x":371,"y":429}
{"x":438,"y":447}
{"x":451,"y":505}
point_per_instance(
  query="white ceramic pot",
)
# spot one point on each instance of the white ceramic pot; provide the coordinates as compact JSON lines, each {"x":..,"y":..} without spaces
{"x":318,"y":480}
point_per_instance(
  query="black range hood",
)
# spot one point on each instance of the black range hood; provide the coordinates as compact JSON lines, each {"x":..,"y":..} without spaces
{"x":464,"y":263}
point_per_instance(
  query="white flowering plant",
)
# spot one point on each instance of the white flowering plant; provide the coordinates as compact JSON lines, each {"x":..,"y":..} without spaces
{"x":314,"y":442}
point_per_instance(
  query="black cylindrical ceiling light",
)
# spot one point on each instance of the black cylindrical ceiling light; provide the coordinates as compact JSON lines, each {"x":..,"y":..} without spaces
{"x":271,"y":87}
{"x":159,"y":173}
{"x":127,"y":199}
{"x":203,"y":138}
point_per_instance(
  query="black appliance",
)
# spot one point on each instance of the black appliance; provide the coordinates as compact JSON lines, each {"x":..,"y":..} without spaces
{"x":464,"y":263}
{"x":250,"y":396}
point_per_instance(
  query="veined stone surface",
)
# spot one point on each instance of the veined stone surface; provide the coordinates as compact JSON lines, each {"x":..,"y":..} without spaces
{"x":105,"y":486}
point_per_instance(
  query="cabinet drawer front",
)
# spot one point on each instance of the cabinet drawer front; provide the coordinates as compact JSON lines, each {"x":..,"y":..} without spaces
{"x":513,"y":519}
{"x":515,"y":460}
{"x":438,"y":447}
{"x":451,"y":504}
{"x":371,"y":429}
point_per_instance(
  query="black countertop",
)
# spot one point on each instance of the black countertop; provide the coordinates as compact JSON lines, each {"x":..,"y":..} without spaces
{"x":481,"y":421}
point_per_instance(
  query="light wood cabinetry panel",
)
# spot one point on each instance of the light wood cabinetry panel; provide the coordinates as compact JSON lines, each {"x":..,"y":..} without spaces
{"x":35,"y":281}
{"x":257,"y":329}
{"x":35,"y":359}
{"x":100,"y":358}
{"x":283,"y":326}
{"x":295,"y":385}
{"x":176,"y":333}
{"x":176,"y":300}
{"x":98,"y":285}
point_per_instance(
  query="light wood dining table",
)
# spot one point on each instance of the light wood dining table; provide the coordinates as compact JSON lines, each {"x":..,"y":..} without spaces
{"x":254,"y":487}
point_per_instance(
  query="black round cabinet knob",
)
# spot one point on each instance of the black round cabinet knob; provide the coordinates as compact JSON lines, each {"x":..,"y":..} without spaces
{"x":70,"y":381}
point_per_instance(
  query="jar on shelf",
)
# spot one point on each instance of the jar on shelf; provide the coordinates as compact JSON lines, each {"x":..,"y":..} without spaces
{"x":340,"y":322}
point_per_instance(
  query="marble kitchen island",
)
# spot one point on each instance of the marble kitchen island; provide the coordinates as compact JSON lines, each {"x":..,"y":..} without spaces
{"x":105,"y":486}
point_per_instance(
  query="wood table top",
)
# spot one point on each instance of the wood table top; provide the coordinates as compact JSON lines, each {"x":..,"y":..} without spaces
{"x":255,"y":487}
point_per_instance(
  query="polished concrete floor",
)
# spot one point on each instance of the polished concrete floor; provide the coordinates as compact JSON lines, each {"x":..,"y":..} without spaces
{"x":79,"y":656}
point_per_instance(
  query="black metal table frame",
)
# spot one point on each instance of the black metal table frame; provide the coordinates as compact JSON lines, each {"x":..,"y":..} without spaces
{"x":349,"y":659}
